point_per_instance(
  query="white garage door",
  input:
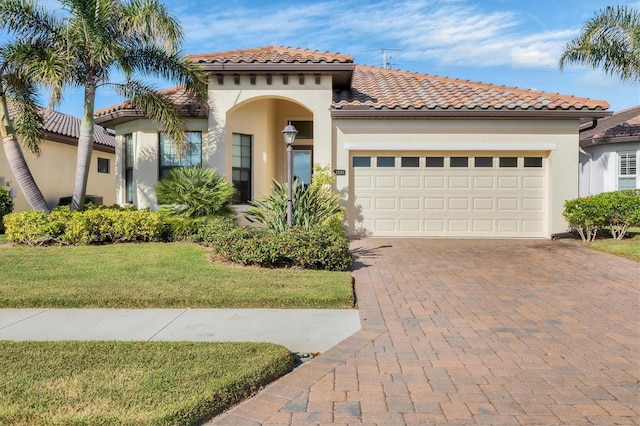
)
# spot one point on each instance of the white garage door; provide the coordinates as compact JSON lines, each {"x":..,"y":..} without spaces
{"x":450,"y":194}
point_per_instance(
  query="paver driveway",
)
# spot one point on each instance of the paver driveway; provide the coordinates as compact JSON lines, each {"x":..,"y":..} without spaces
{"x":474,"y":331}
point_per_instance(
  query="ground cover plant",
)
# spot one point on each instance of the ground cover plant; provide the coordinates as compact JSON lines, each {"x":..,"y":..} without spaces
{"x":126,"y":383}
{"x":157,"y":275}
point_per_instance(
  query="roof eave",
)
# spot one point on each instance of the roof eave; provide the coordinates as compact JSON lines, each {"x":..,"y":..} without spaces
{"x":609,"y":141}
{"x":69,"y":140}
{"x":583,"y":114}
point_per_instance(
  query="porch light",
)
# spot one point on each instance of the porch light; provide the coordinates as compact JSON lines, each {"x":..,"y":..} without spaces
{"x":289,"y":134}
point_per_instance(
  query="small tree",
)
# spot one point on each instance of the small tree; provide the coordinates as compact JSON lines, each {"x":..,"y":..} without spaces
{"x":623,"y":211}
{"x":585,"y":215}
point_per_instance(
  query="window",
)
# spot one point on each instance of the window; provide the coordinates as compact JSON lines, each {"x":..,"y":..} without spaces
{"x":435,"y":162}
{"x":627,"y":170}
{"x":304,"y":128}
{"x":242,"y":146}
{"x":483,"y":161}
{"x":508,"y":161}
{"x":409,"y":161}
{"x":459,"y":162}
{"x":533,"y":161}
{"x":171,"y":158}
{"x":386,"y":161}
{"x":103,"y":165}
{"x":361,"y":161}
{"x":128,"y":168}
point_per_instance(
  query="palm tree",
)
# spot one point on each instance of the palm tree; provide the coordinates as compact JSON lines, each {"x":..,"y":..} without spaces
{"x":88,"y":41}
{"x":27,"y":126}
{"x":610,"y":40}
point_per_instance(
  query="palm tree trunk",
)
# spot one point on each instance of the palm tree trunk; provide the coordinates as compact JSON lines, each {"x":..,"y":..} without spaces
{"x":85,"y":148}
{"x":17,"y":162}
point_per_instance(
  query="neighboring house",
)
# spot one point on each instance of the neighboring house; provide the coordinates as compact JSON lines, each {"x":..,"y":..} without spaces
{"x":414,"y":154}
{"x":609,"y":153}
{"x":54,"y":170}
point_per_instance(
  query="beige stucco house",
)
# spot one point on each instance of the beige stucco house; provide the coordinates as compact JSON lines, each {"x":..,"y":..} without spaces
{"x":414,"y":154}
{"x":54,"y":170}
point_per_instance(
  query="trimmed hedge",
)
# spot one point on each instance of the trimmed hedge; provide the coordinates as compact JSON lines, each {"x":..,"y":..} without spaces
{"x":317,"y":248}
{"x":94,"y":225}
{"x":616,"y":211}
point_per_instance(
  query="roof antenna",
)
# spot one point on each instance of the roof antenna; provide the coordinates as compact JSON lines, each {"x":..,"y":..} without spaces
{"x":385,"y":60}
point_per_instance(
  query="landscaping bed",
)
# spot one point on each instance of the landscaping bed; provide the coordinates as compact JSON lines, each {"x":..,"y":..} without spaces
{"x":124,"y":383}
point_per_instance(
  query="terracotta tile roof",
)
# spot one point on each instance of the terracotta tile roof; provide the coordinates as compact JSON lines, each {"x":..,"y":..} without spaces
{"x":623,"y":126}
{"x":177,"y":95}
{"x":378,"y":88}
{"x":57,"y":123}
{"x":270,"y":55}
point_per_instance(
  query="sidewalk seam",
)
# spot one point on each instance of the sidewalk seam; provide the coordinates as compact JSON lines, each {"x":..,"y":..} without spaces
{"x":167,"y":325}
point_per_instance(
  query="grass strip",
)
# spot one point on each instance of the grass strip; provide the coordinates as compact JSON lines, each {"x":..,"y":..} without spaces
{"x":629,"y":248}
{"x":127,"y":383}
{"x":157,"y":275}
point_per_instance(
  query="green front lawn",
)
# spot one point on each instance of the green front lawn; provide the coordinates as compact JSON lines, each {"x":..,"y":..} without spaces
{"x":157,"y":275}
{"x":629,"y":247}
{"x":127,"y":383}
{"x":3,"y":239}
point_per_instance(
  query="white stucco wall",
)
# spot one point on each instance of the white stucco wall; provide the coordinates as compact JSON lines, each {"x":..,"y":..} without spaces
{"x":558,"y":138}
{"x":599,"y":167}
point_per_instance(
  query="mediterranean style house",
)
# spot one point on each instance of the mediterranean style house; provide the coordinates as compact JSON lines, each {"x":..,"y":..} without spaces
{"x":413,"y":154}
{"x":609,"y":153}
{"x":54,"y":170}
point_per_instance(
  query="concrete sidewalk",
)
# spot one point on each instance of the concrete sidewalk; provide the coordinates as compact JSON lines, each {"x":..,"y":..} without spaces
{"x":300,"y":330}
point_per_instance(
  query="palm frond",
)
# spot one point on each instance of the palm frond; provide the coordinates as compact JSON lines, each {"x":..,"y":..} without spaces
{"x":611,"y":41}
{"x":28,"y":20}
{"x":157,"y":107}
{"x":28,"y":122}
{"x":149,"y":22}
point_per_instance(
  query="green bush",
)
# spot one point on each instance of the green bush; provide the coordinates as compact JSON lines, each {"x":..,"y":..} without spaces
{"x":623,"y":211}
{"x":211,"y":228}
{"x":312,"y":206}
{"x":616,"y":210}
{"x":189,"y":194}
{"x":316,"y":248}
{"x":6,"y":205}
{"x":94,"y":225}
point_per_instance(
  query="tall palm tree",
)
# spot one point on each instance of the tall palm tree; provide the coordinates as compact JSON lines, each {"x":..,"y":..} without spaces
{"x":87,"y":41}
{"x":610,"y":40}
{"x":27,"y":126}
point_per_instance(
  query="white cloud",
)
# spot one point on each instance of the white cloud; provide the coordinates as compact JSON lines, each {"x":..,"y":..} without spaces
{"x":455,"y":32}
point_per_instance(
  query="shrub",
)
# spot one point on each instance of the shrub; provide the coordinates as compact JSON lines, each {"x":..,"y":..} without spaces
{"x":94,"y":225}
{"x":616,"y":210}
{"x":6,"y":205}
{"x":623,"y":211}
{"x":212,"y":228}
{"x":314,"y":205}
{"x":316,"y":248}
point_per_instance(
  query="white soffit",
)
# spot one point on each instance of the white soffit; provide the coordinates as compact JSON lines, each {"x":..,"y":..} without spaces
{"x":448,"y":146}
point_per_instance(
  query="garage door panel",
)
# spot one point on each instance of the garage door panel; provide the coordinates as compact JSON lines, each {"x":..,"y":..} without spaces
{"x":387,"y":203}
{"x":410,"y":182}
{"x":507,"y":182}
{"x":385,"y":182}
{"x":483,"y":182}
{"x":451,"y":202}
{"x":434,"y":182}
{"x":459,"y":182}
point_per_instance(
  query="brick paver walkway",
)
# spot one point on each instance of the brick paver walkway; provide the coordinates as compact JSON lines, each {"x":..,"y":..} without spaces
{"x":474,"y":332}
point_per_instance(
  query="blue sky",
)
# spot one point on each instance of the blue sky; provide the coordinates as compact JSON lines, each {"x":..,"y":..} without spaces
{"x":506,"y":42}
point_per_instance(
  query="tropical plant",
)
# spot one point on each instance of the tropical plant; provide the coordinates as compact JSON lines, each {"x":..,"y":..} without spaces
{"x":195,"y":192}
{"x":610,"y":40}
{"x":16,"y":84}
{"x":314,"y":205}
{"x":6,"y":205}
{"x":85,"y":42}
